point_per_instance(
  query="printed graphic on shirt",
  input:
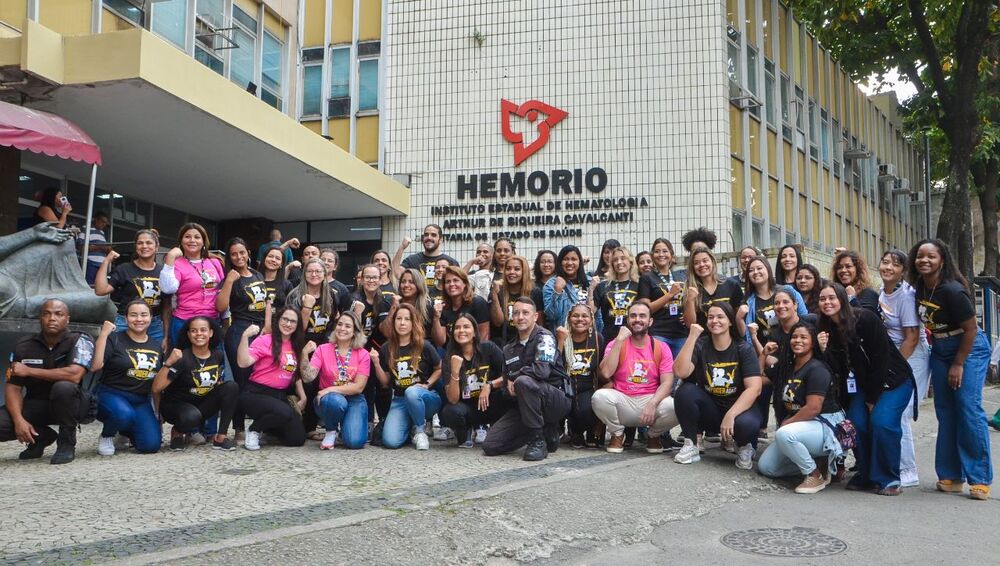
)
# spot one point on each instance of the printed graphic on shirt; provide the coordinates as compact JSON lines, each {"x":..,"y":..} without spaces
{"x":207,"y":282}
{"x":257,"y":293}
{"x":473,"y":381}
{"x":204,"y":379}
{"x":428,"y":269}
{"x":766,"y":318}
{"x":927,"y":311}
{"x":318,"y":321}
{"x":144,"y":363}
{"x":582,"y":360}
{"x":148,"y":289}
{"x":290,"y":363}
{"x":720,"y":378}
{"x":404,"y":372}
{"x":619,"y":301}
{"x":640,"y":374}
{"x":788,"y":396}
{"x":369,"y":323}
{"x":546,"y":348}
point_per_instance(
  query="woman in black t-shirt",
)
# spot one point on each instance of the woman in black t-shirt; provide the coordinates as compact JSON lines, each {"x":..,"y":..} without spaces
{"x":458,"y":299}
{"x":244,"y":295}
{"x":515,"y":283}
{"x":804,"y":396}
{"x":721,"y":376}
{"x":473,"y":376}
{"x":582,"y":348}
{"x":137,"y":279}
{"x":877,"y":382}
{"x":410,"y":366}
{"x":807,"y":283}
{"x":278,"y":287}
{"x":130,"y":360}
{"x":850,"y":270}
{"x":960,"y":356}
{"x":190,"y":387}
{"x":704,"y":289}
{"x":613,"y":297}
{"x":372,"y":308}
{"x":665,"y":291}
{"x":413,"y":291}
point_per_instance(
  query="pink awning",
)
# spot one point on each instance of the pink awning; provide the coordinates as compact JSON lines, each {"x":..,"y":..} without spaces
{"x":41,"y":132}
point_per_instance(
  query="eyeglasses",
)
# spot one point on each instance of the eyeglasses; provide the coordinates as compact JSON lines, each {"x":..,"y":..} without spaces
{"x":288,"y":320}
{"x":314,"y":272}
{"x":371,"y":278}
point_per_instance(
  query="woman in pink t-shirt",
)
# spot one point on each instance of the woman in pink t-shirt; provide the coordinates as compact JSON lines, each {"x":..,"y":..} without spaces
{"x":343,"y":366}
{"x":275,"y":358}
{"x":192,"y":276}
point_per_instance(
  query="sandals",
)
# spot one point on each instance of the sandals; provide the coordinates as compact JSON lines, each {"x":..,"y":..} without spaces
{"x":951,"y":486}
{"x":979,"y":492}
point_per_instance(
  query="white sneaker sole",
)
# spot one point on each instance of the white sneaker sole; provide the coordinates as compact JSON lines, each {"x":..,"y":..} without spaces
{"x":691,"y":460}
{"x":811,"y":490}
{"x":615,"y":450}
{"x":742,"y":466}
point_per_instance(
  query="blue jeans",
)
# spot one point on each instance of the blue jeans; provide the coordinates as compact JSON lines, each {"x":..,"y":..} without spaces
{"x":880,"y":433}
{"x":155,"y":330}
{"x":349,"y":413}
{"x":920,"y":364}
{"x":130,"y":414}
{"x":793,"y":451}
{"x":412,"y":409}
{"x":963,"y":444}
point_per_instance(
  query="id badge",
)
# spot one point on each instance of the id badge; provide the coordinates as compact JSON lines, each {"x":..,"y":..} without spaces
{"x":619,"y":319}
{"x":852,"y":383}
{"x":673,"y":310}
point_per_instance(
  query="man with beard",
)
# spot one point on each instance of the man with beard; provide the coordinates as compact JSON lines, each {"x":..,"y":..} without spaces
{"x":423,"y":261}
{"x":640,"y":370}
{"x":535,"y":377}
{"x":49,"y":366}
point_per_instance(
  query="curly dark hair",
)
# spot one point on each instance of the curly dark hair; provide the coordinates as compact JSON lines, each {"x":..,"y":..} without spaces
{"x":701,"y":234}
{"x":949,"y":269}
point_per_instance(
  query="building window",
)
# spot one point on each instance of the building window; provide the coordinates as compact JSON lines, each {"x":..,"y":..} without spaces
{"x":130,"y":10}
{"x":752,"y":77}
{"x":824,"y":131}
{"x":738,"y":240}
{"x":368,"y":84}
{"x":340,"y":82}
{"x":272,"y":71}
{"x":169,"y":22}
{"x":241,"y":67}
{"x":209,"y":19}
{"x":786,"y":129}
{"x":208,"y":59}
{"x":813,"y":131}
{"x":769,"y":111}
{"x":732,"y":69}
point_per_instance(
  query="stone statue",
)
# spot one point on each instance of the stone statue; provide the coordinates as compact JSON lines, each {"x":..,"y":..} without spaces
{"x":41,"y":263}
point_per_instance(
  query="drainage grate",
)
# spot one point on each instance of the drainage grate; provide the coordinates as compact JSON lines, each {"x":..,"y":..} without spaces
{"x":797,"y":541}
{"x":239,"y":471}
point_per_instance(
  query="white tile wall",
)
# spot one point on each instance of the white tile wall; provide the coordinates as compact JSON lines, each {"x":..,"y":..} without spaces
{"x":643,"y":81}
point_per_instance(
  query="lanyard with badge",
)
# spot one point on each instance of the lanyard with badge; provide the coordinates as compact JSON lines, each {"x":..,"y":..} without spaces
{"x":668,"y":284}
{"x":617,"y":298}
{"x":343,"y":366}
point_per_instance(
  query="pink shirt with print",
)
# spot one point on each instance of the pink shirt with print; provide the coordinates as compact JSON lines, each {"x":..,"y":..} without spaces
{"x":638,"y":374}
{"x":198,"y":286}
{"x":324,"y":359}
{"x":265,"y":370}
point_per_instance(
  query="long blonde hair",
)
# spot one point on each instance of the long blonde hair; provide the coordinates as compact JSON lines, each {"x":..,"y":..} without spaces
{"x":633,"y":270}
{"x":692,"y":279}
{"x":416,"y":336}
{"x":326,"y":304}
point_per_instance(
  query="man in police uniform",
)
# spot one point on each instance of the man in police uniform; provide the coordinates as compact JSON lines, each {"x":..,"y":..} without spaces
{"x":535,"y":377}
{"x":49,"y":366}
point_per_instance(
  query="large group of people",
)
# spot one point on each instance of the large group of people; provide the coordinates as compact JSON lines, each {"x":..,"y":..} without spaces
{"x":507,"y":353}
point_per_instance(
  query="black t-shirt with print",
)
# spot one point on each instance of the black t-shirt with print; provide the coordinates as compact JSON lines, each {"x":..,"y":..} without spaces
{"x":373,"y":316}
{"x":668,"y":322}
{"x":191,"y":377}
{"x":130,"y":366}
{"x":277,"y":293}
{"x":538,"y":298}
{"x":944,"y":308}
{"x":814,"y":378}
{"x":586,"y":359}
{"x":478,"y":308}
{"x":765,"y":318}
{"x":506,"y":332}
{"x":132,"y":283}
{"x":425,"y":264}
{"x":721,"y":373}
{"x":248,"y":298}
{"x":613,"y":299}
{"x":727,"y":291}
{"x":342,"y":297}
{"x":401,"y":371}
{"x":488,"y":366}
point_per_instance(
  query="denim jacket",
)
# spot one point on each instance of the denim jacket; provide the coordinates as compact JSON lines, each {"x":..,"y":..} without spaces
{"x":557,"y":305}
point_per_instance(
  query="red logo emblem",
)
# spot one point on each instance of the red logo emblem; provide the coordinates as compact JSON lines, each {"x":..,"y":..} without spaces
{"x":529,"y":111}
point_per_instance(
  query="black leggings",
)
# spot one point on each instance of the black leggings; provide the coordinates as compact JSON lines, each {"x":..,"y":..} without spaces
{"x":697,"y":411}
{"x":462,"y":416}
{"x":581,"y":416}
{"x":188,"y":417}
{"x":240,"y":375}
{"x":271,"y":413}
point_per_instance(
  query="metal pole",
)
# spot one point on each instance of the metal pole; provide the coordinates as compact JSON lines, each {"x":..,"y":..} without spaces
{"x":90,"y":218}
{"x":927,"y":185}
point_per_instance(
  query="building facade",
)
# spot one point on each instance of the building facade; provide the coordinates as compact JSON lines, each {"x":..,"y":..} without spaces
{"x":726,"y":114}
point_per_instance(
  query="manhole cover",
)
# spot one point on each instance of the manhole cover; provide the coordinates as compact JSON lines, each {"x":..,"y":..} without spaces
{"x":796,"y":541}
{"x":239,"y":471}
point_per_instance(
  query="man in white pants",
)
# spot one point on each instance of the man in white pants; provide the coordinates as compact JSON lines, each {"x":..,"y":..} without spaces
{"x":638,"y":372}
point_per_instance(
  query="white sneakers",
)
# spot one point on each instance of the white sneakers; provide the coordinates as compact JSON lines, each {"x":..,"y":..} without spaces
{"x":420,"y":441}
{"x":252,"y":441}
{"x":106,"y":446}
{"x":444,"y":433}
{"x":688,"y":453}
{"x":480,"y":435}
{"x":329,"y":440}
{"x":744,"y":457}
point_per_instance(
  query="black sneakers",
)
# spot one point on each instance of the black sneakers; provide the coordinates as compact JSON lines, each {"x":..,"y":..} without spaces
{"x":178,"y":443}
{"x":536,"y":449}
{"x":44,"y":439}
{"x":226,"y":444}
{"x":551,"y":438}
{"x":64,"y":454}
